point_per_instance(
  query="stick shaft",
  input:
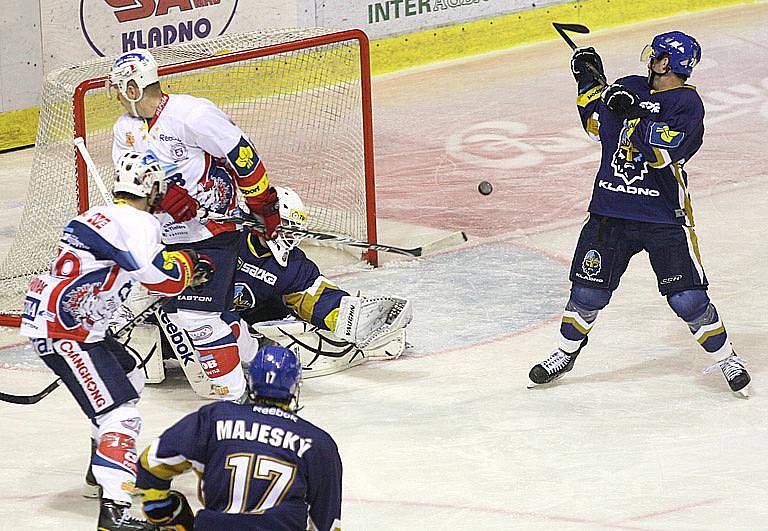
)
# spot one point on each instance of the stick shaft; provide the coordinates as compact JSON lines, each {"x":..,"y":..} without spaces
{"x":578,"y":28}
{"x":332,"y":238}
{"x":93,"y":170}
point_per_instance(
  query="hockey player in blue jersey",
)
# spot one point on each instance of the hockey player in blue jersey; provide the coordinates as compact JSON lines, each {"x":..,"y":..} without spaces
{"x":274,"y":278}
{"x":262,"y":466}
{"x":649,"y":127}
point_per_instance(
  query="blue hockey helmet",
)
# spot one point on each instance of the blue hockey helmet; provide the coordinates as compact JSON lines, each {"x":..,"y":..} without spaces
{"x":683,"y":51}
{"x":275,"y":372}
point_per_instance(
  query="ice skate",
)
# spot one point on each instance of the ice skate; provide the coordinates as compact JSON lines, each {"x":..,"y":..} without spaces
{"x":735,"y":374}
{"x":115,"y":516}
{"x":554,"y":367}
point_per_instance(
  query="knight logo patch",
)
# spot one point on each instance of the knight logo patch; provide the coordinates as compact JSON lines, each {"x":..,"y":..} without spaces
{"x":660,"y":135}
{"x":627,"y":161}
{"x":592,"y":263}
{"x":245,"y":157}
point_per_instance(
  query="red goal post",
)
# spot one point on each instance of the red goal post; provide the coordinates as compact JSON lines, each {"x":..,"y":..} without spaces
{"x":303,"y":96}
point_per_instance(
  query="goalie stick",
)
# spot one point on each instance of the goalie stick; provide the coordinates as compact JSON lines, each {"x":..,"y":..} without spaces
{"x":578,"y":28}
{"x":126,"y":329}
{"x":455,"y":238}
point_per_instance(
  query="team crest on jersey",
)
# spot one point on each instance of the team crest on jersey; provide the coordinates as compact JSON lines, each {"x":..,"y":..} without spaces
{"x":215,"y":190}
{"x":628,"y":163}
{"x":245,"y":157}
{"x":179,"y":151}
{"x":244,"y":298}
{"x":130,"y":139}
{"x":81,"y":305}
{"x":660,"y":135}
{"x":592,"y":263}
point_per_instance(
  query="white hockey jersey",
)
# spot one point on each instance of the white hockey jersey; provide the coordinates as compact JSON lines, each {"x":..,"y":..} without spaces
{"x":101,"y":254}
{"x":202,"y":150}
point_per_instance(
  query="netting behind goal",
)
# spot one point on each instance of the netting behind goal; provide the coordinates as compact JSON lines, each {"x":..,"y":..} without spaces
{"x":303,"y":97}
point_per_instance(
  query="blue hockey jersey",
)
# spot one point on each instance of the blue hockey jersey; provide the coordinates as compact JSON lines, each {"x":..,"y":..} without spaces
{"x":641,"y":175}
{"x":262,"y":468}
{"x":299,"y":284}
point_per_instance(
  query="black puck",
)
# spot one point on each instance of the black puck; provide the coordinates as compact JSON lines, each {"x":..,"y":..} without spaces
{"x":485,"y":187}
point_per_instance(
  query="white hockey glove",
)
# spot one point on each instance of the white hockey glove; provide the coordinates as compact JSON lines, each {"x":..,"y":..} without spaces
{"x":365,"y":322}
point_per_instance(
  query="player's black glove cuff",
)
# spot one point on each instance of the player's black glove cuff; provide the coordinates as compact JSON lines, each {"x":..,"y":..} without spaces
{"x":584,"y":63}
{"x":173,"y":512}
{"x":622,"y":101}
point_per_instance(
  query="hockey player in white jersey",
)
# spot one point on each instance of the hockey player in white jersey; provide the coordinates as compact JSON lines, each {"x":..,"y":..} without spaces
{"x":102,"y":254}
{"x":208,"y":159}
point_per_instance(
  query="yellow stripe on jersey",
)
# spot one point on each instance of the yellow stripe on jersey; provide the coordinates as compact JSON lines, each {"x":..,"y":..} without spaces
{"x":257,"y":189}
{"x":686,"y":198}
{"x":662,"y":158}
{"x":303,"y":302}
{"x":162,"y":470}
{"x":593,"y":127}
{"x":331,"y":318}
{"x":589,"y":96}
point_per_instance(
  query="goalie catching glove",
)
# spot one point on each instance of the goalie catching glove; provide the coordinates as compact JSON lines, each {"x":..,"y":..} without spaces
{"x":171,"y":512}
{"x":365,"y":321}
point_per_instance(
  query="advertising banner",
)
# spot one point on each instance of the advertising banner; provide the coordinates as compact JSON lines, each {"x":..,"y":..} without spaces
{"x":385,"y":18}
{"x":77,"y":30}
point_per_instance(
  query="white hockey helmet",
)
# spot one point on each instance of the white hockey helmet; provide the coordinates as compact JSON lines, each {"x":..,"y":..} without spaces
{"x":292,"y":214}
{"x":138,"y":66}
{"x":138,"y":173}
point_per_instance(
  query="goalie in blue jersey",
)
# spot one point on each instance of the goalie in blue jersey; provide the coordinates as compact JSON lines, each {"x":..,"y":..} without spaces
{"x":649,"y":127}
{"x":281,"y":295}
{"x":261,"y":465}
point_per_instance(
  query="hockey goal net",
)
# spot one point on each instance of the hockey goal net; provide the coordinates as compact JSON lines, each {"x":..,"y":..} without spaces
{"x":303,"y":97}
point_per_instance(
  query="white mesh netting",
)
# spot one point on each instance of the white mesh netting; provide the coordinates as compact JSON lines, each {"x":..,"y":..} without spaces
{"x":302,"y":109}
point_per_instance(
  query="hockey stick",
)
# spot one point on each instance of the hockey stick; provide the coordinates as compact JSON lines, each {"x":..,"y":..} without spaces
{"x":578,"y":28}
{"x":93,"y":170}
{"x":130,"y":325}
{"x":455,"y":238}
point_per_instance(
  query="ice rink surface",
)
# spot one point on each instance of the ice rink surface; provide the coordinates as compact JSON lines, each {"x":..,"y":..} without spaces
{"x":448,"y":436}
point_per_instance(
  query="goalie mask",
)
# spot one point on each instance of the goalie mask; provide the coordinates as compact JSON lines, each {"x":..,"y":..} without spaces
{"x":292,"y":214}
{"x":275,"y":373}
{"x":140,"y":174}
{"x":138,"y":66}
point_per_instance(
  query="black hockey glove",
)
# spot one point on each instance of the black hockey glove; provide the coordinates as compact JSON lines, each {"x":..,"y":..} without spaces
{"x":173,"y":512}
{"x":582,"y":60}
{"x":623,"y":102}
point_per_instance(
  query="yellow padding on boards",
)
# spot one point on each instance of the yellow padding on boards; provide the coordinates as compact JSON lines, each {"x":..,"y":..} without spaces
{"x":506,"y":31}
{"x":18,"y":128}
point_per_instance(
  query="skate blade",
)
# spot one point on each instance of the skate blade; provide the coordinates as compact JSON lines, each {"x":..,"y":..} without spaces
{"x":743,"y":392}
